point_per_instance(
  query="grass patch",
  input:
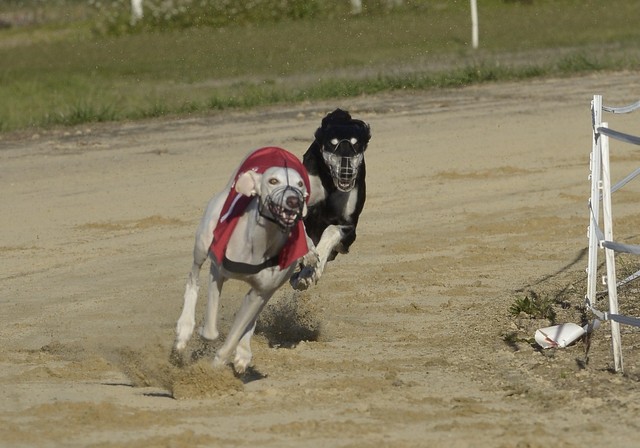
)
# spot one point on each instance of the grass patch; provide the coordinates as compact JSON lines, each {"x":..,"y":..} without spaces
{"x":55,"y":70}
{"x":533,"y":306}
{"x":82,"y":113}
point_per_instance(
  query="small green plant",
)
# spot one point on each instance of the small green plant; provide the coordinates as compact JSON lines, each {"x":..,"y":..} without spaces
{"x":534,"y":306}
{"x":579,"y":62}
{"x":82,"y":113}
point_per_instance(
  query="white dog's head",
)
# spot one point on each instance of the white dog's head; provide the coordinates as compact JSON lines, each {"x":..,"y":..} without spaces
{"x":282,"y":194}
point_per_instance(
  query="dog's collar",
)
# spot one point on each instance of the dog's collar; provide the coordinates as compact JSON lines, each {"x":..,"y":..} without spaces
{"x":245,"y":268}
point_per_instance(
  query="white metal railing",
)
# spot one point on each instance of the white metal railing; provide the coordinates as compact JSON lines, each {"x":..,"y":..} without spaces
{"x":601,"y":191}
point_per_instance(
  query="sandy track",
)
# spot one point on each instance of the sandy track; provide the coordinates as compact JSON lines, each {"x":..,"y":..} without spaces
{"x":475,"y":196}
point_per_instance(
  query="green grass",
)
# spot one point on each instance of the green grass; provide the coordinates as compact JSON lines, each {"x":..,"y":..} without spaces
{"x":534,"y":306}
{"x":62,"y":73}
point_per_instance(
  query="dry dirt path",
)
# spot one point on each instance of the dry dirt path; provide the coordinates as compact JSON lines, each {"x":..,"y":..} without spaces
{"x":474,"y":195}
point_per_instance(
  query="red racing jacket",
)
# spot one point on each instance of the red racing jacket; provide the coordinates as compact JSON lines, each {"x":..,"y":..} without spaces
{"x":236,"y":203}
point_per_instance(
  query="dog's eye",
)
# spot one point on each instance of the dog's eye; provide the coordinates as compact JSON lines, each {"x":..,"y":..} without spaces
{"x":274,"y":181}
{"x":334,"y":141}
{"x":353,"y":140}
{"x":300,"y":184}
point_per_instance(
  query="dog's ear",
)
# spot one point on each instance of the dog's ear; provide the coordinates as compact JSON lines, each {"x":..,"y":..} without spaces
{"x":248,"y":183}
{"x":365,"y":132}
{"x":319,"y":136}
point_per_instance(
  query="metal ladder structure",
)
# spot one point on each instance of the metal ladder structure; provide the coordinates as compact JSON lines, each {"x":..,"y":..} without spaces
{"x":601,"y":191}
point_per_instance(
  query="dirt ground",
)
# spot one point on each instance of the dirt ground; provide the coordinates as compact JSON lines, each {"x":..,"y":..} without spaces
{"x":477,"y":197}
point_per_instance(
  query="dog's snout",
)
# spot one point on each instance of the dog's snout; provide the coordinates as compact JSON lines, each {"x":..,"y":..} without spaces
{"x":293,"y":202}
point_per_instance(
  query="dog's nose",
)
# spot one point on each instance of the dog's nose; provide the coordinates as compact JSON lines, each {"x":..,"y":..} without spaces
{"x":293,"y":202}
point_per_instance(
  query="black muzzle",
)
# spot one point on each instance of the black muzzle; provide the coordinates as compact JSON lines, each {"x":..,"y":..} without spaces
{"x":284,"y":205}
{"x":343,"y":162}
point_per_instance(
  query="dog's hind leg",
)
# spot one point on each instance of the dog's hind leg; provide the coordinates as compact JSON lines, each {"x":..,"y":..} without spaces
{"x":187,"y":321}
{"x":209,"y":328}
{"x":243,"y":326}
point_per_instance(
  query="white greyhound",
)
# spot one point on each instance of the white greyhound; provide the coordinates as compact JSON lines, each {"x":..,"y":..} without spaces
{"x":252,"y":231}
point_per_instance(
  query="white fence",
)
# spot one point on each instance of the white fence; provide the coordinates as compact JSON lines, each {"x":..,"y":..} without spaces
{"x":601,"y":191}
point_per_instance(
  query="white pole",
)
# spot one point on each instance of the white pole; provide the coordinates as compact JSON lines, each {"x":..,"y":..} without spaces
{"x":474,"y":23}
{"x":609,"y":254}
{"x":356,"y":6}
{"x":594,"y":201}
{"x":136,"y":11}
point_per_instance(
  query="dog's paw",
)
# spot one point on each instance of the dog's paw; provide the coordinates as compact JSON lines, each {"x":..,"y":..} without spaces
{"x":218,"y":362}
{"x":304,"y":278}
{"x":242,"y":358}
{"x":184,"y":330}
{"x":297,"y":282}
{"x":179,"y":345}
{"x":310,"y":259}
{"x":177,"y":358}
{"x":241,"y":364}
{"x":300,"y":284}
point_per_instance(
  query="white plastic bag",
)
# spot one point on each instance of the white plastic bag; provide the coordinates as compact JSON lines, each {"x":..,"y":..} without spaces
{"x":559,"y":336}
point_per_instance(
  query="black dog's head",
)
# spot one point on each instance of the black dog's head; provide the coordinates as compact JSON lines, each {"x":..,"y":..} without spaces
{"x":342,"y":142}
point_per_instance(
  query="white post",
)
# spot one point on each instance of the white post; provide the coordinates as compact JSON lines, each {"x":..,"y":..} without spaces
{"x":136,"y":11}
{"x":474,"y":24}
{"x":594,"y":201}
{"x":356,"y":6}
{"x":610,"y":254}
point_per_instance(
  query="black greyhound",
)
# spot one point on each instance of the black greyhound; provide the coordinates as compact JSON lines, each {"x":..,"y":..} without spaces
{"x":336,"y":167}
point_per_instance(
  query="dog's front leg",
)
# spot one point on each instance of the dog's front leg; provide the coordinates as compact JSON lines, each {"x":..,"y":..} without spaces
{"x":309,"y":275}
{"x":331,"y":237}
{"x":209,"y":328}
{"x":301,"y":280}
{"x":245,"y":320}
